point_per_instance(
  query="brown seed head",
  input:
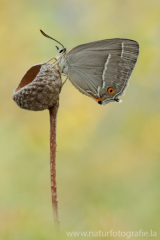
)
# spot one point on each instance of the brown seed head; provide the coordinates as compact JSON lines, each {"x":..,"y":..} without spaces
{"x":39,"y":88}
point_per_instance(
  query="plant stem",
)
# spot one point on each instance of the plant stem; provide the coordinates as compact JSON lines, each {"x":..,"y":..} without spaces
{"x":53,"y":119}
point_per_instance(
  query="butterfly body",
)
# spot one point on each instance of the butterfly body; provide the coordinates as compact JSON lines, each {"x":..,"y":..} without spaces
{"x":63,"y":65}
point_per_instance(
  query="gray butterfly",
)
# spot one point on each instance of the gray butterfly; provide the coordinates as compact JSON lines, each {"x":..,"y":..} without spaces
{"x":100,"y":69}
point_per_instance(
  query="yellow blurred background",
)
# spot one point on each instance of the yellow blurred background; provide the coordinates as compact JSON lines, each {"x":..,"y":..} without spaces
{"x":108,"y":168}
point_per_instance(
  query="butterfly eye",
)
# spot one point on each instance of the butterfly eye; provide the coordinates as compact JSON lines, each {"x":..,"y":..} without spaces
{"x":110,"y":90}
{"x":62,"y":50}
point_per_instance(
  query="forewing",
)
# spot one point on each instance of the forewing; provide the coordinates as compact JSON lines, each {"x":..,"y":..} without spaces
{"x":125,"y":48}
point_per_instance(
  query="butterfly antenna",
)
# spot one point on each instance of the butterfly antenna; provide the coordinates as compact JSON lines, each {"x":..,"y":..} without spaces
{"x":51,"y":38}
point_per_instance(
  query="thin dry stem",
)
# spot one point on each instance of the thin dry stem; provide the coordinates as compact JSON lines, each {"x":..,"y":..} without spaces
{"x":53,"y":118}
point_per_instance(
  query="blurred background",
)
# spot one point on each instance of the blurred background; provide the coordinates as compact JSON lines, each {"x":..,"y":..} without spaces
{"x":108,"y":168}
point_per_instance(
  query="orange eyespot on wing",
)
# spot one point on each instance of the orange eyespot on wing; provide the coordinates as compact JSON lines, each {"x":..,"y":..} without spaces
{"x":110,"y":90}
{"x":99,"y":100}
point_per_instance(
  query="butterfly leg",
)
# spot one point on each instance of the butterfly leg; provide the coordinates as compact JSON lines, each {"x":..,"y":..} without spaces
{"x":51,"y":59}
{"x":53,"y":64}
{"x":65,"y":79}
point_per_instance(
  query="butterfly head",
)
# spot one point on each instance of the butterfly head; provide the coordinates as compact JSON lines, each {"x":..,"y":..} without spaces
{"x":61,"y":51}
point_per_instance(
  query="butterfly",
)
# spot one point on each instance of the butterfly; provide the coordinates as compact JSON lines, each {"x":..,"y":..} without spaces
{"x":100,"y":69}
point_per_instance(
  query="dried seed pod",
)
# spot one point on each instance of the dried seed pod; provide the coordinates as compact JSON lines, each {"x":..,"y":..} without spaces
{"x":39,"y":88}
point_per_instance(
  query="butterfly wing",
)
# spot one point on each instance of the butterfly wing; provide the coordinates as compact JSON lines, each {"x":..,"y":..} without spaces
{"x":95,"y":67}
{"x":125,"y":48}
{"x":95,"y":81}
{"x":115,"y":78}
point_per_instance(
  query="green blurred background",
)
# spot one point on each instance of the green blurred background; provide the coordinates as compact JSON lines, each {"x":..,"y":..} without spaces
{"x":108,"y":168}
